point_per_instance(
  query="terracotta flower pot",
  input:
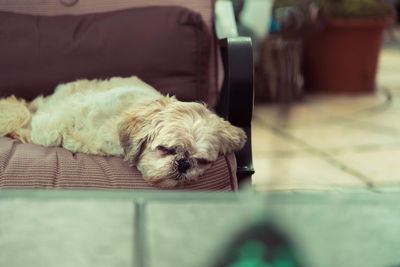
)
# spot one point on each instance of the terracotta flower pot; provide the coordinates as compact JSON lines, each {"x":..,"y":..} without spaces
{"x":344,"y":56}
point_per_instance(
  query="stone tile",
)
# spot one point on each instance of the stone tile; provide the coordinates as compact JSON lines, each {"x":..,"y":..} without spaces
{"x":326,"y":136}
{"x":389,"y":80}
{"x":388,"y":60}
{"x":66,"y":233}
{"x":381,"y":166}
{"x":317,"y":109}
{"x":300,"y":172}
{"x":387,"y":76}
{"x":387,"y":188}
{"x":266,"y":141}
{"x":395,"y":90}
{"x":396,"y":103}
{"x":385,"y":121}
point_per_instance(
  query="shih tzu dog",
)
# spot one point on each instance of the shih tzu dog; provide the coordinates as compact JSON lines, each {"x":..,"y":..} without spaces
{"x":169,"y":141}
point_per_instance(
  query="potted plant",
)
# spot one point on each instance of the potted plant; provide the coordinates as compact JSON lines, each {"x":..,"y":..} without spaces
{"x":343,"y":56}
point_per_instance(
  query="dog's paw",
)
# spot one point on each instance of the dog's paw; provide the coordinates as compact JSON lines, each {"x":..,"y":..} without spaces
{"x":45,"y":130}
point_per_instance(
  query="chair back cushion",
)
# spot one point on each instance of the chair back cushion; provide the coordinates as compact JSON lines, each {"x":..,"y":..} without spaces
{"x":44,"y":43}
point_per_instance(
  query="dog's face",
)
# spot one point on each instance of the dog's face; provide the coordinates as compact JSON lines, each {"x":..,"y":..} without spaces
{"x":172,"y":142}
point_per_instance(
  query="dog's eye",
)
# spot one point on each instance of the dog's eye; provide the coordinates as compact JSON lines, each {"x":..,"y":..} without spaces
{"x":166,"y":150}
{"x":203,"y":161}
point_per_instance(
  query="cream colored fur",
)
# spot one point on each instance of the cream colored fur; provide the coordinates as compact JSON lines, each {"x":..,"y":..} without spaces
{"x":169,"y":141}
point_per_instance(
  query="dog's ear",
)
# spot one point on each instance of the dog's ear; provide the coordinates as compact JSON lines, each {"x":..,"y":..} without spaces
{"x":137,"y":128}
{"x":132,"y":139}
{"x":231,"y":138}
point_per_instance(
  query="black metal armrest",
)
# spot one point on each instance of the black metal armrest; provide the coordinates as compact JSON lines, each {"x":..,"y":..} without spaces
{"x":237,"y":96}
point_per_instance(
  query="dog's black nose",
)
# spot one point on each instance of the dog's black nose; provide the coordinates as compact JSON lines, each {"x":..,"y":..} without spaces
{"x":183,"y":165}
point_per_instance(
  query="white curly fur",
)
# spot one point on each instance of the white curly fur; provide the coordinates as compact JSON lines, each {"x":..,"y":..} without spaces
{"x":169,"y":141}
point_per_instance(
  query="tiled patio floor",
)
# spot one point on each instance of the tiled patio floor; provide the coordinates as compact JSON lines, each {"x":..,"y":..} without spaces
{"x":332,"y":142}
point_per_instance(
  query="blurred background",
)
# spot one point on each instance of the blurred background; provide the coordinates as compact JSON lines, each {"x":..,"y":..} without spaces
{"x":327,"y":113}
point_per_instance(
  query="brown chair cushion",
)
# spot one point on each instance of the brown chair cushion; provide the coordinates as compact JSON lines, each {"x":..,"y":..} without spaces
{"x":29,"y":166}
{"x":168,"y":47}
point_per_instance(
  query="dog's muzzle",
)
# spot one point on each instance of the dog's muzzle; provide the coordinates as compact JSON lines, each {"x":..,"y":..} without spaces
{"x":183,"y":165}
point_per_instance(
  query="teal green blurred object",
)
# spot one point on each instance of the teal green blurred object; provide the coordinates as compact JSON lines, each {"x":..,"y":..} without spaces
{"x":260,"y":245}
{"x":251,"y":254}
{"x":255,"y":254}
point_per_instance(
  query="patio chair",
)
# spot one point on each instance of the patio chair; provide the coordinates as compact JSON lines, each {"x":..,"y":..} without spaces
{"x":170,"y":44}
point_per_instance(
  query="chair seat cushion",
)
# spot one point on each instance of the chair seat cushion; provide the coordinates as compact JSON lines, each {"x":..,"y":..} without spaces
{"x":166,"y":46}
{"x":30,"y":166}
